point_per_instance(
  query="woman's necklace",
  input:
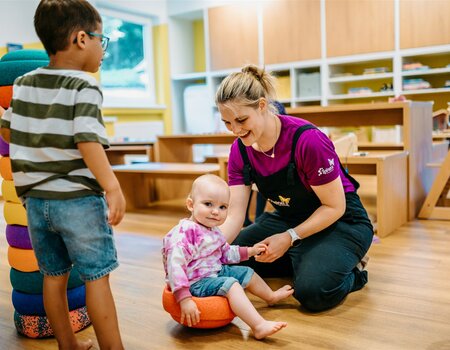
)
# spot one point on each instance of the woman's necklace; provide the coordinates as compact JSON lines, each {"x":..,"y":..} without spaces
{"x":273,"y":149}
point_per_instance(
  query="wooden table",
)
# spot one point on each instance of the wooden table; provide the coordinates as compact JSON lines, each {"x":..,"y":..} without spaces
{"x":117,"y":151}
{"x":136,"y":184}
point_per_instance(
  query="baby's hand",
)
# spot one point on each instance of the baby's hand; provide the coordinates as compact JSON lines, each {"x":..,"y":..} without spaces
{"x":189,"y":311}
{"x":257,"y":249}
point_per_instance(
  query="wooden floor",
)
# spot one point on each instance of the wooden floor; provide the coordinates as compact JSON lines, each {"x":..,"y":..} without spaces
{"x":406,"y":304}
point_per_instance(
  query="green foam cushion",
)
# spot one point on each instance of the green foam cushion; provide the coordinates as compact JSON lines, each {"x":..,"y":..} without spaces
{"x":32,"y":282}
{"x":17,"y":63}
{"x":25,"y":55}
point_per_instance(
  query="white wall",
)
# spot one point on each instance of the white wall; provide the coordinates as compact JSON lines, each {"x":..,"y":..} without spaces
{"x":16,"y":21}
{"x":16,"y":16}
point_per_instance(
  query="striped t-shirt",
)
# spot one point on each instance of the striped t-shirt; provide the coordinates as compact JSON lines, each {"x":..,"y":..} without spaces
{"x":51,"y":111}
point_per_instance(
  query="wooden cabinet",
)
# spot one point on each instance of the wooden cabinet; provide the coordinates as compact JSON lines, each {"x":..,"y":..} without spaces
{"x":359,"y":26}
{"x":424,"y":23}
{"x":233,"y":36}
{"x":291,"y":31}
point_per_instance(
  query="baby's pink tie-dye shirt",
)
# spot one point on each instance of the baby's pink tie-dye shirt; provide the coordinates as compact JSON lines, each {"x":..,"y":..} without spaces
{"x":192,"y":251}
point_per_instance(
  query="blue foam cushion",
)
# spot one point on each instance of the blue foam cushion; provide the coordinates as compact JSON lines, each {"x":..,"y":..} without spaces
{"x":32,"y":282}
{"x":33,"y":304}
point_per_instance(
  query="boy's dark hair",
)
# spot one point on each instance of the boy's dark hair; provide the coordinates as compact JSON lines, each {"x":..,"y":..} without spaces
{"x":56,"y":20}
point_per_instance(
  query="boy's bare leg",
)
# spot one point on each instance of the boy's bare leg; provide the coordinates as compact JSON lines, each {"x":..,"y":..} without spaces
{"x":243,"y":308}
{"x":257,"y":286}
{"x":57,"y":310}
{"x":102,"y":312}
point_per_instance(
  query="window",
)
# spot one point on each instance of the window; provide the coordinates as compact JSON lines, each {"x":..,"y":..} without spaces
{"x":127,"y":73}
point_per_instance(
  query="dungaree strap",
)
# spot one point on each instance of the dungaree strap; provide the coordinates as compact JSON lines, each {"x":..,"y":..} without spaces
{"x":291,"y":167}
{"x":247,"y":168}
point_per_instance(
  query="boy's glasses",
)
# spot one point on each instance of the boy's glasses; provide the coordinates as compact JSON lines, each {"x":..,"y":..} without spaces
{"x":104,"y":39}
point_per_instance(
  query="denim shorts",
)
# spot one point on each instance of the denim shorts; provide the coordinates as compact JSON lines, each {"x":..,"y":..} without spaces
{"x":220,"y":285}
{"x":72,"y":231}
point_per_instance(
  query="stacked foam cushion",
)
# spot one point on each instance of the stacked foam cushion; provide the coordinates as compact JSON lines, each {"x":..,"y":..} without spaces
{"x":26,"y":280}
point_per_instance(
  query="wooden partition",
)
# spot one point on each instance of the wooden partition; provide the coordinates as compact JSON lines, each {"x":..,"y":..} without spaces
{"x":298,"y":24}
{"x":424,"y":23}
{"x":359,"y":26}
{"x":414,"y":117}
{"x":233,"y":36}
{"x":178,"y":148}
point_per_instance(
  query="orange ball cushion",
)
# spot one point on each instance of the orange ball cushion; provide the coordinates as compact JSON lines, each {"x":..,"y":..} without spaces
{"x":215,"y":311}
{"x":5,"y":95}
{"x":5,"y":168}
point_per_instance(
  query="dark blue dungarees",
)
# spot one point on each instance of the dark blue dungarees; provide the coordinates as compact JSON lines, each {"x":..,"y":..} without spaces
{"x":323,"y":266}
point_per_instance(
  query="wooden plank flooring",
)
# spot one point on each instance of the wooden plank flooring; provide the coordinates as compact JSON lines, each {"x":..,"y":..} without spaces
{"x":406,"y":304}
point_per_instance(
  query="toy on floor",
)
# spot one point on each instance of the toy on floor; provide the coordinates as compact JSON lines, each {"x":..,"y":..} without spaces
{"x":215,"y":311}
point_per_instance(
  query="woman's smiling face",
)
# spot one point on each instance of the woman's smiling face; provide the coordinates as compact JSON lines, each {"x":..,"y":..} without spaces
{"x":245,"y":122}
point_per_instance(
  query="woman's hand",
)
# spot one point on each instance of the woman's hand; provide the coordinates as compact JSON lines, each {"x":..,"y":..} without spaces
{"x":277,"y":245}
{"x":189,"y":312}
{"x":257,"y":249}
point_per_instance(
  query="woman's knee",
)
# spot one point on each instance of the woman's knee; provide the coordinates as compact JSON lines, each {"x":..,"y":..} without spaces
{"x":315,"y":298}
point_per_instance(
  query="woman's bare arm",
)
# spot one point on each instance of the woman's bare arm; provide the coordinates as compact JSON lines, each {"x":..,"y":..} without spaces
{"x":239,"y":196}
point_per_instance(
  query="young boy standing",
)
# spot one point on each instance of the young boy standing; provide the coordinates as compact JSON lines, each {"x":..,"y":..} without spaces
{"x":60,"y":169}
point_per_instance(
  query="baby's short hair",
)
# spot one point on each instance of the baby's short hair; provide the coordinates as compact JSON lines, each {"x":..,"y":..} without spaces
{"x":56,"y":20}
{"x":210,"y":179}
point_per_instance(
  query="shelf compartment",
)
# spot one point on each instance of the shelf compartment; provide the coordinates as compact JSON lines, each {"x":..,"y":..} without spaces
{"x":363,"y":77}
{"x":187,"y":52}
{"x":359,"y":96}
{"x":426,"y":91}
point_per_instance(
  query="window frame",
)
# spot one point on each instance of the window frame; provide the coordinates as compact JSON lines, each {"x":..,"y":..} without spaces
{"x":130,"y":100}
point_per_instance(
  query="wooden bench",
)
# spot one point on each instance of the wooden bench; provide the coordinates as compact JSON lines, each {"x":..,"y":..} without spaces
{"x":136,"y":179}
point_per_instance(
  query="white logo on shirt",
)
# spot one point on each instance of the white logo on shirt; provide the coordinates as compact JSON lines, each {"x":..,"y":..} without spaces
{"x":324,"y":171}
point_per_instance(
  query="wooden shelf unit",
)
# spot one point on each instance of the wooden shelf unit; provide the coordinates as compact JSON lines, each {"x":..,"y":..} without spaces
{"x":306,"y":37}
{"x":414,"y":117}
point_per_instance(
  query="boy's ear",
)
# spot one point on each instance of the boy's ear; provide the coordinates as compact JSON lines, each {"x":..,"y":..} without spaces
{"x":81,"y":39}
{"x":189,"y":204}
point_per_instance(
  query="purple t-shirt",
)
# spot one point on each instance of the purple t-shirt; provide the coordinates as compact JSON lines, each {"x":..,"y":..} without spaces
{"x":316,"y":160}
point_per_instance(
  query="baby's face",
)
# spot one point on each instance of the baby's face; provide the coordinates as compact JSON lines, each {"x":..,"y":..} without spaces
{"x":209,"y":205}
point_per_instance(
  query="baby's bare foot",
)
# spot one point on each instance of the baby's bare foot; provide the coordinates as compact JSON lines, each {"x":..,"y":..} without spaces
{"x":267,"y":328}
{"x":281,"y":294}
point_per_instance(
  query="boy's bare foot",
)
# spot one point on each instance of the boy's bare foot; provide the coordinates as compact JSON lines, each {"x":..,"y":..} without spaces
{"x":281,"y":294}
{"x":267,"y":328}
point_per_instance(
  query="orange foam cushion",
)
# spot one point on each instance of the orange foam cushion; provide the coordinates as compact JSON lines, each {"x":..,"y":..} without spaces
{"x":6,"y":95}
{"x":215,"y":311}
{"x":22,"y":259}
{"x":5,"y":168}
